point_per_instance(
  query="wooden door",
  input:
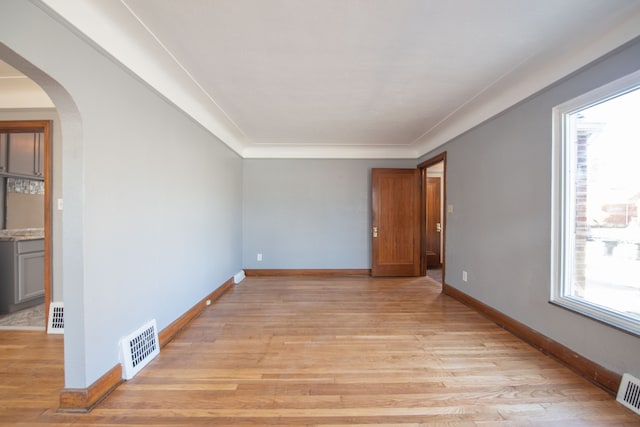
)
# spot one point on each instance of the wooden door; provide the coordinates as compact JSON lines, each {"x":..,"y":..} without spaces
{"x":434,"y":222}
{"x":395,"y":243}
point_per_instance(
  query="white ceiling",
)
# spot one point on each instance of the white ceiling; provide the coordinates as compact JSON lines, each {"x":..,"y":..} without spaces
{"x":349,"y":78}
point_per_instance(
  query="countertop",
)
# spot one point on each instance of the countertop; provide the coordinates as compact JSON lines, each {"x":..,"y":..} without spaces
{"x":22,"y":234}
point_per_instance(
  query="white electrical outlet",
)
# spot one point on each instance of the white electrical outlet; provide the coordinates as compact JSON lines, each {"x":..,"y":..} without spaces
{"x":259,"y":257}
{"x":464,"y":276}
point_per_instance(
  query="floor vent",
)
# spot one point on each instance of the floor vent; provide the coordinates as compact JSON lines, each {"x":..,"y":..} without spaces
{"x":629,"y":393}
{"x":239,"y":277}
{"x":139,"y":348}
{"x":56,"y":318}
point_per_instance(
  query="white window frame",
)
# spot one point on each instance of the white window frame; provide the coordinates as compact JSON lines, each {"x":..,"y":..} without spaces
{"x":563,"y":205}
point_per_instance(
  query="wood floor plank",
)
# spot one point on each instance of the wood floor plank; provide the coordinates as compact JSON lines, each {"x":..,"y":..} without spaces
{"x":317,"y":351}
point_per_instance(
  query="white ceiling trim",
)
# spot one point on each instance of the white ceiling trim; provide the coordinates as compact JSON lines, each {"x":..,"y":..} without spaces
{"x":285,"y":151}
{"x":516,"y":86}
{"x":112,"y":26}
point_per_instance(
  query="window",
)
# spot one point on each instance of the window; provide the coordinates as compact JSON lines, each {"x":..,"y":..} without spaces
{"x":596,"y":201}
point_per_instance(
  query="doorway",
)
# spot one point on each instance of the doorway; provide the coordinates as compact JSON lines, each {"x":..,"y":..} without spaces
{"x":25,"y":187}
{"x":432,"y":217}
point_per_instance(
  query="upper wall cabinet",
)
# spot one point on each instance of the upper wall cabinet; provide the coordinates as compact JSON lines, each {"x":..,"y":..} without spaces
{"x":25,"y":154}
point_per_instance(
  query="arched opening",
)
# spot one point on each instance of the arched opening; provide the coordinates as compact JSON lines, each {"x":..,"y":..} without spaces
{"x":67,"y":179}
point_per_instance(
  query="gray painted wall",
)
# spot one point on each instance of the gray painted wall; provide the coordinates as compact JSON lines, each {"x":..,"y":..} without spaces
{"x":309,"y":213}
{"x":499,"y":181}
{"x":152,"y":217}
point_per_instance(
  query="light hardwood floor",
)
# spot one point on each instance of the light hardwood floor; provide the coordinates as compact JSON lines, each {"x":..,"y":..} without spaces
{"x":321,"y":351}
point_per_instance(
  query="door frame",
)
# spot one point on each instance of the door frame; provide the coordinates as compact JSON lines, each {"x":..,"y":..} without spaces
{"x":432,"y":251}
{"x":45,"y":127}
{"x":442,"y":157}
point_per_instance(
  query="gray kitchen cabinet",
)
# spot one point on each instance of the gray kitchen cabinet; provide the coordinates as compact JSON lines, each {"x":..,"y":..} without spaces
{"x":21,"y":274}
{"x":30,"y":276}
{"x":25,"y":154}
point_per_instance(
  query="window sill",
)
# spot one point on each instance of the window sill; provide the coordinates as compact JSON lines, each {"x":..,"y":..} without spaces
{"x":594,"y":312}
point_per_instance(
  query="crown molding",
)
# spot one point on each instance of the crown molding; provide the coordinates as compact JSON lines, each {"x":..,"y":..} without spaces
{"x":303,"y":151}
{"x":530,"y":77}
{"x":113,"y":28}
